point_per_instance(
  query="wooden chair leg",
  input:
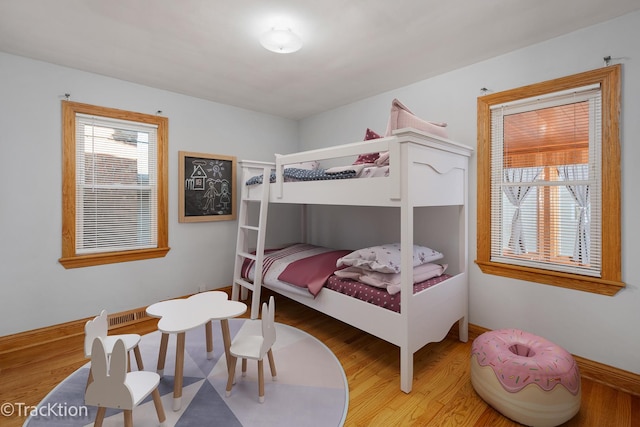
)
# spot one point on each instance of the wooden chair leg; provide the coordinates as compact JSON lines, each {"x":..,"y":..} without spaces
{"x":272,"y":365}
{"x":261,"y":380}
{"x":157,"y":401}
{"x":244,"y":367}
{"x":231,"y":373}
{"x":136,"y":352}
{"x":99,"y":416}
{"x":128,"y":418}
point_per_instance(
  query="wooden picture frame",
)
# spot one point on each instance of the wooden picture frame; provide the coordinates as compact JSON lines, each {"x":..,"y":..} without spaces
{"x":207,"y":188}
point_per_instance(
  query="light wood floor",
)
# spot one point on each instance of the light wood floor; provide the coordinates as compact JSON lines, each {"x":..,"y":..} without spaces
{"x":442,"y":393}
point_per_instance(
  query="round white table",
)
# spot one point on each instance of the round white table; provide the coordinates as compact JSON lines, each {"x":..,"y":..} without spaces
{"x":180,"y":315}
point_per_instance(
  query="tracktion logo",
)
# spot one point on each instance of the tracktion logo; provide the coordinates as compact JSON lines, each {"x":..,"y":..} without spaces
{"x":49,"y":410}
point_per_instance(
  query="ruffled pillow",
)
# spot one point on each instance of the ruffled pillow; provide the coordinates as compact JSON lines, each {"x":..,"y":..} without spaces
{"x":401,"y":117}
{"x":387,"y":258}
{"x":369,"y":157}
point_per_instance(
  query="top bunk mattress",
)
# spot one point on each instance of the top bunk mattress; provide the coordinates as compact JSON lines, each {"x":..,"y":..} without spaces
{"x":434,"y":168}
{"x":300,"y":174}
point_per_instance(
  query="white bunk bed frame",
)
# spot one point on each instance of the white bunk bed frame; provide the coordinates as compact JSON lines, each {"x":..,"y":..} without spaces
{"x":433,"y":172}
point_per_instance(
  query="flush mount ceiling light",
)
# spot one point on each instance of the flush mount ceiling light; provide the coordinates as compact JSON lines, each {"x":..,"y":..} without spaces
{"x":281,"y":40}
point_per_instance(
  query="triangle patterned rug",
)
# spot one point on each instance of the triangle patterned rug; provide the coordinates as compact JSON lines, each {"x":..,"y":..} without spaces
{"x":311,"y":387}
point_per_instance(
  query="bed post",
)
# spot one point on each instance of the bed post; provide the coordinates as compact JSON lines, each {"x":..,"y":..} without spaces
{"x":463,"y":323}
{"x":406,"y":270}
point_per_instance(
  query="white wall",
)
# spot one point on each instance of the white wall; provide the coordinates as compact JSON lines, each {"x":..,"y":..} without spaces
{"x":600,"y":328}
{"x":35,"y":290}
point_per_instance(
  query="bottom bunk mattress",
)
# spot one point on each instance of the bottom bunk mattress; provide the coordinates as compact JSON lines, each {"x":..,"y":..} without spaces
{"x":305,"y":270}
{"x":377,"y":296}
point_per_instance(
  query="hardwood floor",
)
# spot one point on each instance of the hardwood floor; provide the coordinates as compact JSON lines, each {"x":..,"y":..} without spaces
{"x":442,"y":393}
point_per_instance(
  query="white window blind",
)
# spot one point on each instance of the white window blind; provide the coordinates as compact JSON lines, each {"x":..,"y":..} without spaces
{"x":546,"y":182}
{"x":116,"y":182}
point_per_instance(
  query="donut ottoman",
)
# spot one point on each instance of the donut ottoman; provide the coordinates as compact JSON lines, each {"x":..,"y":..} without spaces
{"x":525,"y":377}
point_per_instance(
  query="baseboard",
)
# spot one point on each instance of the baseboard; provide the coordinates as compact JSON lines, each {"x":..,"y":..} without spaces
{"x":49,"y":335}
{"x":11,"y":344}
{"x":615,"y":378}
{"x":65,"y":331}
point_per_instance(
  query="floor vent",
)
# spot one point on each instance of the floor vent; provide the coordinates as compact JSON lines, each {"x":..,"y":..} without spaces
{"x":126,"y":318}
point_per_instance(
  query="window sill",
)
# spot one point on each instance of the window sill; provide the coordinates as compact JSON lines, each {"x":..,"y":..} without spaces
{"x":112,"y":257}
{"x":564,"y":280}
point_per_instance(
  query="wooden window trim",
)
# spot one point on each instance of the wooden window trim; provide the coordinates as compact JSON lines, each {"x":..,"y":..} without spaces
{"x":611,"y":281}
{"x":69,"y":257}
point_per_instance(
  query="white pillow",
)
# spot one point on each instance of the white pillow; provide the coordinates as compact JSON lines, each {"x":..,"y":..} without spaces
{"x":386,"y":258}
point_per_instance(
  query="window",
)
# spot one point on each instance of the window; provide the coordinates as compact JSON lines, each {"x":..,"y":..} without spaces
{"x":114,"y":192}
{"x":549,"y":182}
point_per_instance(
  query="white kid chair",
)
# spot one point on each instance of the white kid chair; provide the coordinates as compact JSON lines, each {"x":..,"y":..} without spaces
{"x":112,"y":387}
{"x":98,"y":327}
{"x":250,"y":345}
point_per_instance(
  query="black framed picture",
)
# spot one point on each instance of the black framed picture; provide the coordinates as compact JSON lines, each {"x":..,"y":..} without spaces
{"x":207,"y":187}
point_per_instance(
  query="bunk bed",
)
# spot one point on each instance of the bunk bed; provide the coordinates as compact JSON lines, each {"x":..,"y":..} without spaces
{"x":423,"y":170}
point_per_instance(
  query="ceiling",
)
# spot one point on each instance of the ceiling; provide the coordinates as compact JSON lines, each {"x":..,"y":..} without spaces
{"x":352,"y":49}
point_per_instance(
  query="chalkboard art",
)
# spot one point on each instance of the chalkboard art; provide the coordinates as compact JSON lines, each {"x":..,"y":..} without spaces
{"x":207,"y":187}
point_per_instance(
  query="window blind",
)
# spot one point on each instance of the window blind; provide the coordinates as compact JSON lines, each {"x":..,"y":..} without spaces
{"x":546,"y":182}
{"x":116,"y":181}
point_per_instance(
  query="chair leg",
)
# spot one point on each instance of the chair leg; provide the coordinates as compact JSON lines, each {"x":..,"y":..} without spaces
{"x":244,"y":367}
{"x":128,"y":418}
{"x":136,"y":352}
{"x":99,"y":416}
{"x":261,"y":380}
{"x":157,"y":401}
{"x":272,"y":365}
{"x":232,"y":374}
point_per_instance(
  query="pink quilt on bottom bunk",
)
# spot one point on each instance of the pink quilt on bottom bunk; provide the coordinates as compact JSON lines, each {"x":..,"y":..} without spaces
{"x":311,"y":267}
{"x":377,"y":296}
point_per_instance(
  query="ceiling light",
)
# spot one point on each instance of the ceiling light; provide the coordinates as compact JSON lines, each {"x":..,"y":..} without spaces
{"x":281,"y":40}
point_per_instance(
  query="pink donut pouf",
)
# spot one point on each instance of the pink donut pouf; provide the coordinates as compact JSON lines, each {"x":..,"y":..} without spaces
{"x":525,"y":377}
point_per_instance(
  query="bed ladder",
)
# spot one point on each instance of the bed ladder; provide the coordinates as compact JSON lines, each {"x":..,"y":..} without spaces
{"x":251,"y":233}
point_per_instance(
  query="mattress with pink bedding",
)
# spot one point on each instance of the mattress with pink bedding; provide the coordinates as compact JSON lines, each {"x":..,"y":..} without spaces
{"x":377,"y":296}
{"x":307,"y":269}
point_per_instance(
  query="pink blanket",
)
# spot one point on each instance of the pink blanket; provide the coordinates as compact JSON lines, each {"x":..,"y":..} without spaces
{"x":312,"y":272}
{"x":301,"y":265}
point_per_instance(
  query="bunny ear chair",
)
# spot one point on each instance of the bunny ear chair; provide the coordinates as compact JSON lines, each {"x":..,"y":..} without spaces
{"x":249,"y":345}
{"x":98,"y":327}
{"x":114,"y":387}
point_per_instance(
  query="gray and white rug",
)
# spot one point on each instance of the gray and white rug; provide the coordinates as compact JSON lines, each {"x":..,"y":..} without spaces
{"x":311,"y":389}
